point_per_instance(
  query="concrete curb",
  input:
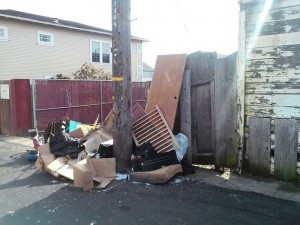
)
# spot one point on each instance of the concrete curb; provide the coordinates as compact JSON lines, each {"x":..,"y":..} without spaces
{"x":244,"y":182}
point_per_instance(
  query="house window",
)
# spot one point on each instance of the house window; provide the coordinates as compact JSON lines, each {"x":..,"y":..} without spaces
{"x":139,"y":70}
{"x":45,"y":38}
{"x":100,"y":52}
{"x":139,"y":48}
{"x":3,"y":34}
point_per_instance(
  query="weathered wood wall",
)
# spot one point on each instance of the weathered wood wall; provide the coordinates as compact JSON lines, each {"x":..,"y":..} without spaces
{"x":272,"y":65}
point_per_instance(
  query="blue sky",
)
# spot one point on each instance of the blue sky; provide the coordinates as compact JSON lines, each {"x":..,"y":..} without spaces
{"x":172,"y":26}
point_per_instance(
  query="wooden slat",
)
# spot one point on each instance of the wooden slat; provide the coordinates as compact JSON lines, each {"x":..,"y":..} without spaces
{"x":142,"y":119}
{"x":225,"y":111}
{"x":273,"y":40}
{"x":274,"y":27}
{"x":281,"y":14}
{"x":282,"y":100}
{"x":275,"y":5}
{"x":258,"y":148}
{"x":273,"y":88}
{"x":278,"y":76}
{"x":286,"y":144}
{"x":204,"y":128}
{"x":284,"y":63}
{"x":185,"y":112}
{"x":276,"y":52}
{"x":240,"y":86}
{"x":273,"y":111}
{"x":165,"y":86}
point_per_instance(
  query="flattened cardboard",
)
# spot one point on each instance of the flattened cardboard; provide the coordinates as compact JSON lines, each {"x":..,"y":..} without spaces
{"x":63,"y":167}
{"x":47,"y":160}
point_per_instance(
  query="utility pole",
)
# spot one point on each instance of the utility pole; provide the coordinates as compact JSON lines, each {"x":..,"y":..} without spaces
{"x":121,"y":58}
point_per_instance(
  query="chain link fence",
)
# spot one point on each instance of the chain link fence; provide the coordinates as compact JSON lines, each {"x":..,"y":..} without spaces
{"x":80,"y":100}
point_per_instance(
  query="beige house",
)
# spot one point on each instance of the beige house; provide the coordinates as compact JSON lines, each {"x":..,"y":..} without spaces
{"x":42,"y":47}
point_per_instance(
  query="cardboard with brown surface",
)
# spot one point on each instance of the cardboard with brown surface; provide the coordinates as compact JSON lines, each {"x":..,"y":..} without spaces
{"x":87,"y":171}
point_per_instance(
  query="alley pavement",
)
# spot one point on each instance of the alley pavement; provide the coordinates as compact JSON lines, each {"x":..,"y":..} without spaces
{"x":242,"y":182}
{"x":28,"y":196}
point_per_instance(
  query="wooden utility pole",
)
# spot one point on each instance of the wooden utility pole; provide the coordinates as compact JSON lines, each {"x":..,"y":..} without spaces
{"x":121,"y":58}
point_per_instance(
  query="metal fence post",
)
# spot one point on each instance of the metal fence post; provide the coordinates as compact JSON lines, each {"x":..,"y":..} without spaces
{"x":34,"y":102}
{"x":101,"y":102}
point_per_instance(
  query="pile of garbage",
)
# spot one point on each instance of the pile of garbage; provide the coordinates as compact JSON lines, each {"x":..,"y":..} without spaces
{"x":84,"y":153}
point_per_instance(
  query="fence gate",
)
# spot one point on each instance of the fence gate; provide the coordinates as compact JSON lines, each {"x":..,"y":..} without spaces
{"x":202,"y":67}
{"x":213,"y":100}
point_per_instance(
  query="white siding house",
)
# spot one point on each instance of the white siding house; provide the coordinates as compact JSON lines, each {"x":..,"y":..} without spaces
{"x":41,"y":47}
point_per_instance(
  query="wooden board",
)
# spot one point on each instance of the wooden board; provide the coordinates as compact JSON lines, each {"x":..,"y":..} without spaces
{"x":286,"y":144}
{"x":273,"y":40}
{"x":275,"y":27}
{"x":165,"y":86}
{"x":281,"y":14}
{"x":185,"y":111}
{"x":240,"y":87}
{"x":226,"y":111}
{"x":259,"y":146}
{"x":273,"y":111}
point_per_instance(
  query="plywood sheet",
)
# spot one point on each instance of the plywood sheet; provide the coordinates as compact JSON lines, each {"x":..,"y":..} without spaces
{"x":166,"y":85}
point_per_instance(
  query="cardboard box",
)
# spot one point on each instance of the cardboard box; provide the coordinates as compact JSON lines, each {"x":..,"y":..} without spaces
{"x":94,"y":139}
{"x":44,"y":149}
{"x":63,"y":167}
{"x":45,"y":158}
{"x":94,"y":173}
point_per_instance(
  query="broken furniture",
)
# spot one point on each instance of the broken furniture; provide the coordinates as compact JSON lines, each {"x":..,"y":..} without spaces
{"x":153,"y":128}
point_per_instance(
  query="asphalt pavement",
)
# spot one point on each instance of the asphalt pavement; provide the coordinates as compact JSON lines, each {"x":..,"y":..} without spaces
{"x":29,"y":196}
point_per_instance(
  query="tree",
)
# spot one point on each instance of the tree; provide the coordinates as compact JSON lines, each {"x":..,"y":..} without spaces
{"x":87,"y":71}
{"x":61,"y":77}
